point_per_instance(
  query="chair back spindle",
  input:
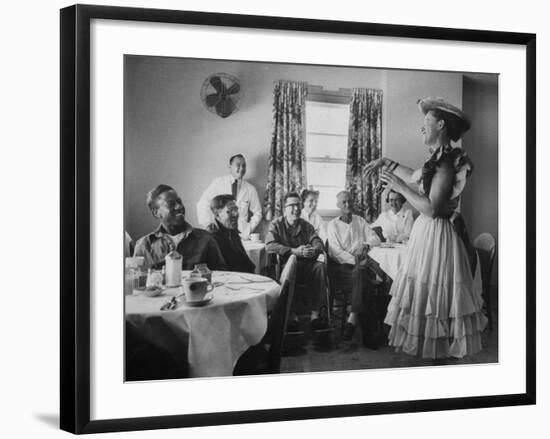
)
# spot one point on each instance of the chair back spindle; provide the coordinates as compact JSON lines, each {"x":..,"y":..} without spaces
{"x":289,"y":274}
{"x":485,"y":246}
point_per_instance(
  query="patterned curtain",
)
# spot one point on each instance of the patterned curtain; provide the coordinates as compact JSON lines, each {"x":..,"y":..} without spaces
{"x":286,"y":166}
{"x":364,"y":145}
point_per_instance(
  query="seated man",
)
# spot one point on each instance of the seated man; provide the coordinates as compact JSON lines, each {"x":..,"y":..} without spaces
{"x":292,"y":235}
{"x":226,"y":233}
{"x":349,"y":237}
{"x":196,"y":246}
{"x":396,"y":222}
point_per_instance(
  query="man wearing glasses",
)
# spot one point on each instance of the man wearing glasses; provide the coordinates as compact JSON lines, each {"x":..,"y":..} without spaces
{"x":225,"y":232}
{"x":292,"y":235}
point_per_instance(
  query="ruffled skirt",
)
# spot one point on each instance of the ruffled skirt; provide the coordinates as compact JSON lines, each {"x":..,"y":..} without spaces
{"x":436,"y":305}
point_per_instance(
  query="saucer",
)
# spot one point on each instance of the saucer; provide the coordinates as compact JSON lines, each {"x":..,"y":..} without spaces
{"x":151,"y":292}
{"x":207,"y":299}
{"x":391,"y":245}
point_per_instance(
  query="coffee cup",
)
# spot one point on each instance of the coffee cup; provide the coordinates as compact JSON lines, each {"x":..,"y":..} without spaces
{"x":195,"y":288}
{"x":255,"y":237}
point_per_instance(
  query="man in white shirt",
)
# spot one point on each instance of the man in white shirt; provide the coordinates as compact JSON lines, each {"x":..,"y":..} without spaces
{"x":250,"y":209}
{"x":396,"y":222}
{"x":349,"y":239}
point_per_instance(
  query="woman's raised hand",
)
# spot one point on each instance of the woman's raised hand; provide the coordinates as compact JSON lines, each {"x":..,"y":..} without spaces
{"x":373,"y":166}
{"x":392,"y":181}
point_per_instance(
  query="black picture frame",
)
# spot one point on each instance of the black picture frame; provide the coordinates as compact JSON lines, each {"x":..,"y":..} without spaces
{"x":75,"y":217}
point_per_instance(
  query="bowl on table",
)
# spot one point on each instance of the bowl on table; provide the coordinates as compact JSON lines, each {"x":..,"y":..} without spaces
{"x":151,"y":291}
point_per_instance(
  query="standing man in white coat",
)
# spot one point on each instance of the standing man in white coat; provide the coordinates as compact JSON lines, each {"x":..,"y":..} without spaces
{"x":250,"y":209}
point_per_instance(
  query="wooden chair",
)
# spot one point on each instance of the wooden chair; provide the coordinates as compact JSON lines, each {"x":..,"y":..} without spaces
{"x":486,"y":248}
{"x":296,"y":339}
{"x":129,"y":245}
{"x":289,"y":274}
{"x":265,"y":357}
{"x":339,"y":293}
{"x":276,"y":266}
{"x":288,"y":271}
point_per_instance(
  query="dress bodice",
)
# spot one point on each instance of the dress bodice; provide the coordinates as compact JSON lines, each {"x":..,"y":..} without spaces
{"x":461,"y":164}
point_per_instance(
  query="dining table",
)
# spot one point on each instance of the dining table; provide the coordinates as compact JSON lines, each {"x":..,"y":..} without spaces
{"x":256,"y":252}
{"x":230,"y":319}
{"x":389,"y":256}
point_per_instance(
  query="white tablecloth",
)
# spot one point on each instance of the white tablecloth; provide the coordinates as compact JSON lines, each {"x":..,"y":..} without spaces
{"x":390,"y":259}
{"x":256,"y":253}
{"x":214,"y":336}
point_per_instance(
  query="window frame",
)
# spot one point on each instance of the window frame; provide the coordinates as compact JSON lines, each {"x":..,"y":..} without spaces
{"x":340,"y":96}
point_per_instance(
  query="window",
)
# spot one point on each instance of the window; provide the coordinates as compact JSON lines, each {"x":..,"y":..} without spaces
{"x":326,"y":147}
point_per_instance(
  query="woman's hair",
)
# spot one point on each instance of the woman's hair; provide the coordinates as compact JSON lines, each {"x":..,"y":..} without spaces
{"x":307,"y":192}
{"x":453,"y":124}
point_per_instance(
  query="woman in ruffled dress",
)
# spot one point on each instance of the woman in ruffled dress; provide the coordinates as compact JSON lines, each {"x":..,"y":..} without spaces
{"x":436,"y":306}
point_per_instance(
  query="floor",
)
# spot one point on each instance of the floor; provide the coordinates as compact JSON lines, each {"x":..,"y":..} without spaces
{"x":341,"y":355}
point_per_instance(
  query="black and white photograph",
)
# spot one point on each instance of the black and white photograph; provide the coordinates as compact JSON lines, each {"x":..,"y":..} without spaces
{"x":286,"y":218}
{"x":275,"y":219}
{"x":278,"y":219}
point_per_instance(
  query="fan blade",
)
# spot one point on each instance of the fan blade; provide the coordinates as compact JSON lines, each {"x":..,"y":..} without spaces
{"x":218,"y":84}
{"x":235,"y":88}
{"x":225,"y":107}
{"x":212,"y":99}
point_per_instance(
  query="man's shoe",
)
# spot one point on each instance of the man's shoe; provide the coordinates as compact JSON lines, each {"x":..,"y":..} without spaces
{"x":319,"y":324}
{"x":371,"y":341}
{"x":293,"y":327}
{"x":349,"y":330}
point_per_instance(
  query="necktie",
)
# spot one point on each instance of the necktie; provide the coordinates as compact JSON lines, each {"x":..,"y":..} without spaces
{"x":234,"y":188}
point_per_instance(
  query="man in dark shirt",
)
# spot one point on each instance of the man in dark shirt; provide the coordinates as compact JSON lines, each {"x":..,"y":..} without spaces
{"x":292,"y":235}
{"x":225,"y":231}
{"x":196,"y":246}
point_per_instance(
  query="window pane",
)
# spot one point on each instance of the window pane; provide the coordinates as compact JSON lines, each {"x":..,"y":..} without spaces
{"x":326,"y":137}
{"x":327,"y":197}
{"x":322,"y":117}
{"x":326,"y":174}
{"x":326,"y":146}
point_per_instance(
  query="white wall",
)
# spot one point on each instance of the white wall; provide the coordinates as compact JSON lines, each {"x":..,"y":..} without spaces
{"x":403,"y":119}
{"x":480,"y":202}
{"x":171,"y":138}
